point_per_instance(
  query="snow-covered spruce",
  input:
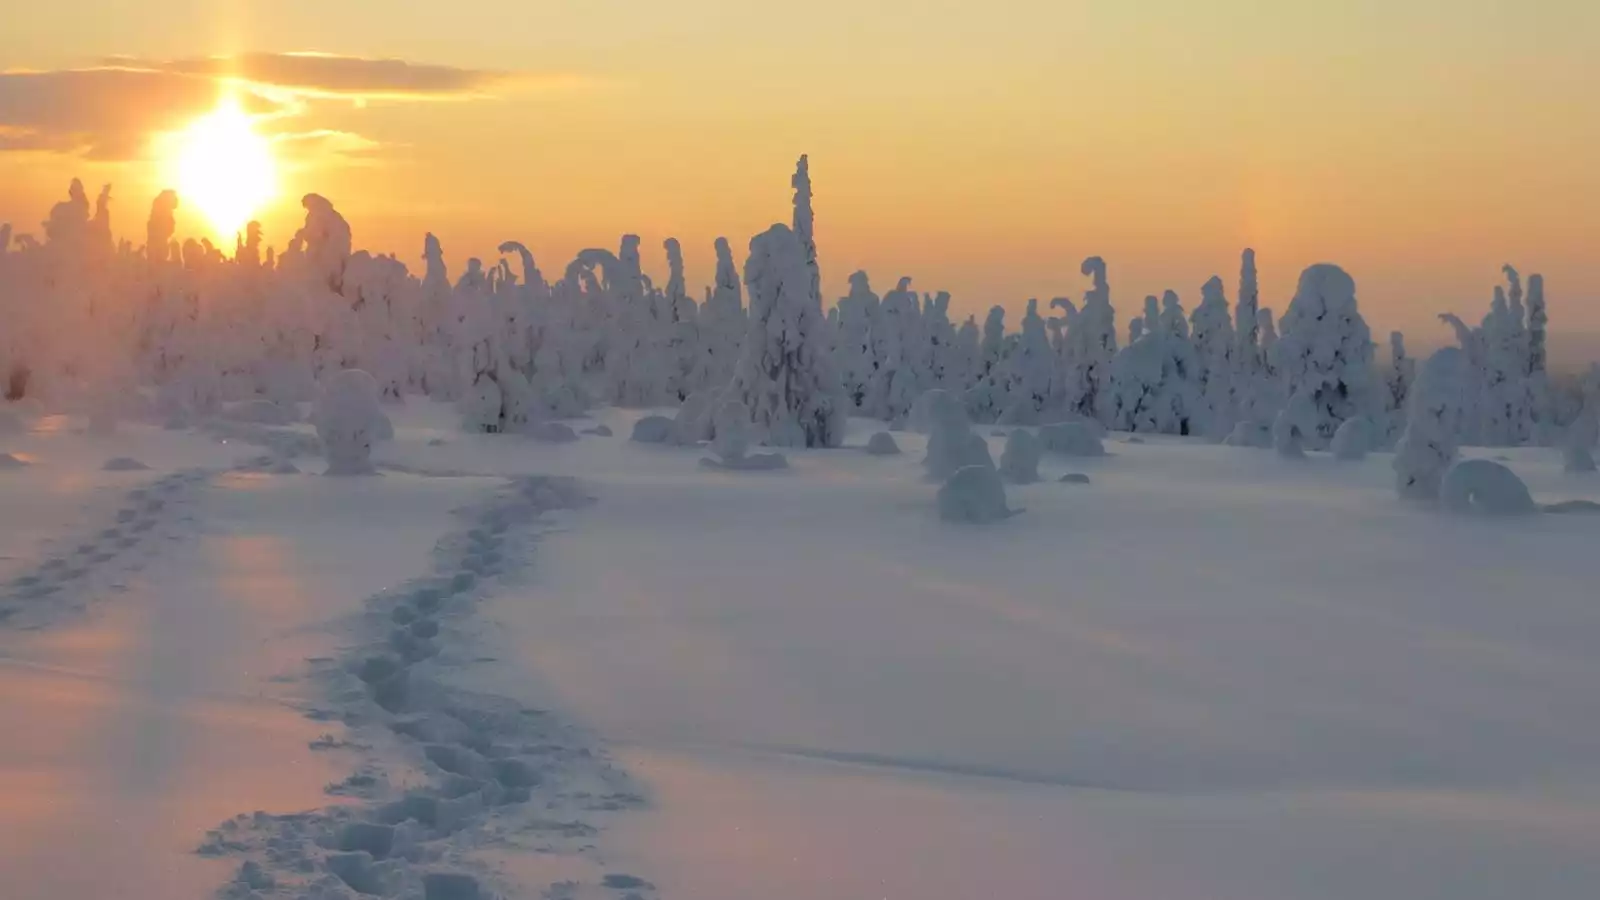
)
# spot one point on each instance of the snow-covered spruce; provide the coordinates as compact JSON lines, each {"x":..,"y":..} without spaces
{"x":785,"y":376}
{"x":1485,"y":487}
{"x":1324,"y":353}
{"x":973,"y":495}
{"x":347,"y":419}
{"x":1433,"y":423}
{"x":1019,"y":461}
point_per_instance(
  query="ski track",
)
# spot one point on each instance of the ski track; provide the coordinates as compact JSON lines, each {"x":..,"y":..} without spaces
{"x":444,"y":775}
{"x":97,"y":561}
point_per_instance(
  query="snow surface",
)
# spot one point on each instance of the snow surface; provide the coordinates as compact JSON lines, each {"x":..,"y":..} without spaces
{"x":795,"y":687}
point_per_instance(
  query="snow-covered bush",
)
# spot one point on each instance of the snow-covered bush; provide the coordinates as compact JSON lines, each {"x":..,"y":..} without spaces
{"x":952,"y":444}
{"x":973,"y":495}
{"x":346,"y":417}
{"x":1071,"y":439}
{"x":1019,"y":462}
{"x":651,"y":430}
{"x":1433,"y":421}
{"x":1577,"y":446}
{"x":1287,"y":436}
{"x":694,"y":422}
{"x":1353,"y":439}
{"x":1485,"y":487}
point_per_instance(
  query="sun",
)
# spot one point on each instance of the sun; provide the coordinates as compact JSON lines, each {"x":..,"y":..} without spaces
{"x":223,"y":168}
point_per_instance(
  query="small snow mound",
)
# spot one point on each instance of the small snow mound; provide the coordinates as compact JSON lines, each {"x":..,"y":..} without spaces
{"x":437,"y":442}
{"x":882,"y":444}
{"x":1249,"y":434}
{"x":124,"y":464}
{"x":974,"y":495}
{"x":552,"y":432}
{"x":263,"y":412}
{"x":755,"y":462}
{"x":349,"y":422}
{"x":1573,"y":507}
{"x":1019,"y":462}
{"x":12,"y":461}
{"x":1134,"y":440}
{"x":284,"y":467}
{"x":1353,"y":439}
{"x":1485,"y":487}
{"x":652,"y":430}
{"x":1071,"y":439}
{"x":1074,"y":478}
{"x":383,"y":428}
{"x":10,"y":423}
{"x":601,"y":430}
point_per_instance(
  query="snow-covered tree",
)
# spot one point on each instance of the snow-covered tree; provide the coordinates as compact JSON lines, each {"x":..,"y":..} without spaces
{"x":1397,"y":387}
{"x":1092,"y":343}
{"x":784,"y":375}
{"x":853,"y":355}
{"x":1215,"y":345}
{"x":1433,"y":425}
{"x":1325,"y":351}
{"x":898,"y":380}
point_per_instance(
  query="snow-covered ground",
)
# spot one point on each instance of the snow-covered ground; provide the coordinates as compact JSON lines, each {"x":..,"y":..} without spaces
{"x":1208,"y":673}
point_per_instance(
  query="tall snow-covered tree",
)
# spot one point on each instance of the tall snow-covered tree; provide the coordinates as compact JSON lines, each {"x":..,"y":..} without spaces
{"x":784,"y":375}
{"x":1092,"y":344}
{"x":1325,"y":351}
{"x":1397,"y":387}
{"x":1215,"y":344}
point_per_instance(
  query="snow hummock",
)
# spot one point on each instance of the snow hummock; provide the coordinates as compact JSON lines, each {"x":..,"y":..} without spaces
{"x":973,"y":495}
{"x":1486,"y":487}
{"x":12,"y":461}
{"x":1074,"y":478}
{"x":882,"y":443}
{"x":1019,"y":462}
{"x":10,"y":423}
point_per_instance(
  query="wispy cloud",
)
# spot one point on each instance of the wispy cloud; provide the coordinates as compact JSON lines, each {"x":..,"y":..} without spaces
{"x":110,"y":110}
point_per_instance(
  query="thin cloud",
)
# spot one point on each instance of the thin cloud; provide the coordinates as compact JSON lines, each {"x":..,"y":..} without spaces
{"x":111,"y":110}
{"x":328,"y":75}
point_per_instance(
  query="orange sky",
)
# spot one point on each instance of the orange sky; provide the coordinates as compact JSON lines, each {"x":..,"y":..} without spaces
{"x":982,"y":148}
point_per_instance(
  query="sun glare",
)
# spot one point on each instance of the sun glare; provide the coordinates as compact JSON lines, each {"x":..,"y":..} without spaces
{"x":223,"y":168}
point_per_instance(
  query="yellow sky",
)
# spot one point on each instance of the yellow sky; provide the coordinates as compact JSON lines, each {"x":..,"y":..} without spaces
{"x":983,"y":148}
